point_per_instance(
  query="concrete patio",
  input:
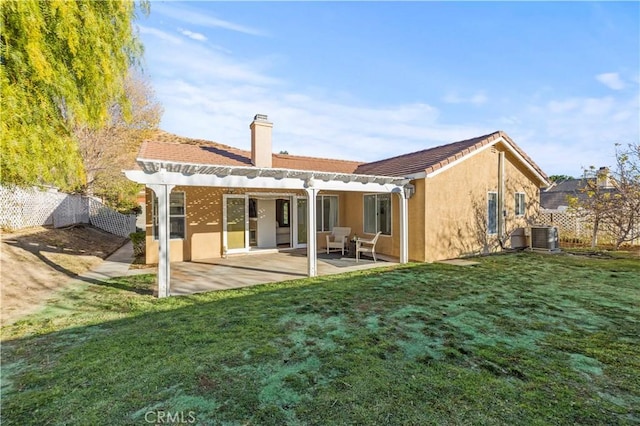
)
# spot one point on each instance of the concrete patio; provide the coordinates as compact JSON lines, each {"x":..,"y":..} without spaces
{"x":258,"y":268}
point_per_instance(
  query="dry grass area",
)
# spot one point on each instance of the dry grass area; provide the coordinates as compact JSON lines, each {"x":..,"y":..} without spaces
{"x":36,"y":262}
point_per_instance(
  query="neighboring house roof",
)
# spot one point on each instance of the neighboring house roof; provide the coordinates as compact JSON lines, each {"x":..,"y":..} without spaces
{"x":167,"y":147}
{"x":557,"y":194}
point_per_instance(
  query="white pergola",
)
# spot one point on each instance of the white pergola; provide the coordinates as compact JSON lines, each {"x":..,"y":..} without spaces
{"x":163,"y":176}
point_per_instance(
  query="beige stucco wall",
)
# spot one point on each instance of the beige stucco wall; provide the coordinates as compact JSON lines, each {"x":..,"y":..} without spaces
{"x":417,"y":215}
{"x":203,"y":212}
{"x":456,"y":204}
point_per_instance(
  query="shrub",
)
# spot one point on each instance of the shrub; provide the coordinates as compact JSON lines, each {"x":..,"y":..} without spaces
{"x":139,"y":244}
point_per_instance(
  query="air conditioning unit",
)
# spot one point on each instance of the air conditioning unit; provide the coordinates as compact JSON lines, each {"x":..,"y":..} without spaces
{"x":544,"y":238}
{"x":520,"y":238}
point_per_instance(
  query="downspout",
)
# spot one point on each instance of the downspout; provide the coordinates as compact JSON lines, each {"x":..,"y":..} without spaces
{"x":501,"y":190}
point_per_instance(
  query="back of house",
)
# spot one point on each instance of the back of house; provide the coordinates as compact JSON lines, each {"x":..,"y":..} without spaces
{"x":461,"y":198}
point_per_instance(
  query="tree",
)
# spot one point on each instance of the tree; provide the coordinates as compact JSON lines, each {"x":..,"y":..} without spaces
{"x":62,"y":63}
{"x":623,"y":217}
{"x":612,"y":201}
{"x":595,"y":205}
{"x":107,"y":150}
{"x":559,"y":178}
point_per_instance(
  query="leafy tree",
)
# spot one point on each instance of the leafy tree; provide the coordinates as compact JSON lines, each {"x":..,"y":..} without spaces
{"x":107,"y":150}
{"x":559,"y":178}
{"x":62,"y":63}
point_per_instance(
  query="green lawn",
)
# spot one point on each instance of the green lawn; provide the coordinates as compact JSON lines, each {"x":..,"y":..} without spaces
{"x":518,"y":339}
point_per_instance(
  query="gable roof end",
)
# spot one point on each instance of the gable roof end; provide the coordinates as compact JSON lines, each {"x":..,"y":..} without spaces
{"x":419,"y":161}
{"x":431,"y":160}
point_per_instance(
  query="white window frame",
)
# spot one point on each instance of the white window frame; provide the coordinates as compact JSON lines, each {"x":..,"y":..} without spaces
{"x":520,"y":206}
{"x":320,"y":211}
{"x":154,"y":215}
{"x":377,"y":221}
{"x":489,"y":196}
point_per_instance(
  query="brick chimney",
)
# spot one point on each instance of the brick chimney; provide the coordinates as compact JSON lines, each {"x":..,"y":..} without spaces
{"x":261,"y":141}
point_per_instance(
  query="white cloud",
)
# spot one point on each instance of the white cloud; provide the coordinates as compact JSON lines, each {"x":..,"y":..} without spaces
{"x":199,"y":63}
{"x":563,"y":106}
{"x":193,"y":35}
{"x":566,"y":135}
{"x":159,"y":34}
{"x":183,"y":14}
{"x":477,"y":99}
{"x":612,"y":80}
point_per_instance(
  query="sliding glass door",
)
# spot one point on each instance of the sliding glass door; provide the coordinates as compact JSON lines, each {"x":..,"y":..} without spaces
{"x":301,"y":229}
{"x":236,"y":223}
{"x":236,"y":226}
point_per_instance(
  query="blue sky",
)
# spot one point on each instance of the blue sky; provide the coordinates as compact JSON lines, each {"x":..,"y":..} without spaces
{"x":369,"y":80}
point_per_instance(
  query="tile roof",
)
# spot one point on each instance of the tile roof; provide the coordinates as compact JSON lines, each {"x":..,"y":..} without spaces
{"x":197,"y":151}
{"x":168,"y":147}
{"x":432,"y":159}
{"x":316,"y":164}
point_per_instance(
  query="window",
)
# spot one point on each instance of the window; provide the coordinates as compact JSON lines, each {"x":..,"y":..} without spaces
{"x":326,"y":212}
{"x":520,"y":206}
{"x":282,"y":212}
{"x":492,"y":213}
{"x":377,"y":214}
{"x":176,"y":216}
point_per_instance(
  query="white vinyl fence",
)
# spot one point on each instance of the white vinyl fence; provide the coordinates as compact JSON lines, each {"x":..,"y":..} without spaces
{"x":22,"y":208}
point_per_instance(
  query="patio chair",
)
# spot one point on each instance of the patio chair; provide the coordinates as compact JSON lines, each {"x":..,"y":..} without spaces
{"x":367,"y":246}
{"x":338,"y":238}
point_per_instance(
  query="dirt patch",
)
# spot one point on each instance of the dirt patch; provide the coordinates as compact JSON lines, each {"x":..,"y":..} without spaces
{"x":36,"y":262}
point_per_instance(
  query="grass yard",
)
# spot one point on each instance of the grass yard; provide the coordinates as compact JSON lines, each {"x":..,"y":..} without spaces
{"x":518,"y":339}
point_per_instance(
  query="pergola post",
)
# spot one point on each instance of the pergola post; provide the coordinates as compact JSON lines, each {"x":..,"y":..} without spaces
{"x":404,"y":227}
{"x":164,"y":255}
{"x":312,"y":245}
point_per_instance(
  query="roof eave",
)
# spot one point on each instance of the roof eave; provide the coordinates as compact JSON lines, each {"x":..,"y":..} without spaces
{"x":449,"y":162}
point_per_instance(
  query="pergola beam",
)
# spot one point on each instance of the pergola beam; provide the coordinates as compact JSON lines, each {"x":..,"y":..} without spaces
{"x":244,"y":181}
